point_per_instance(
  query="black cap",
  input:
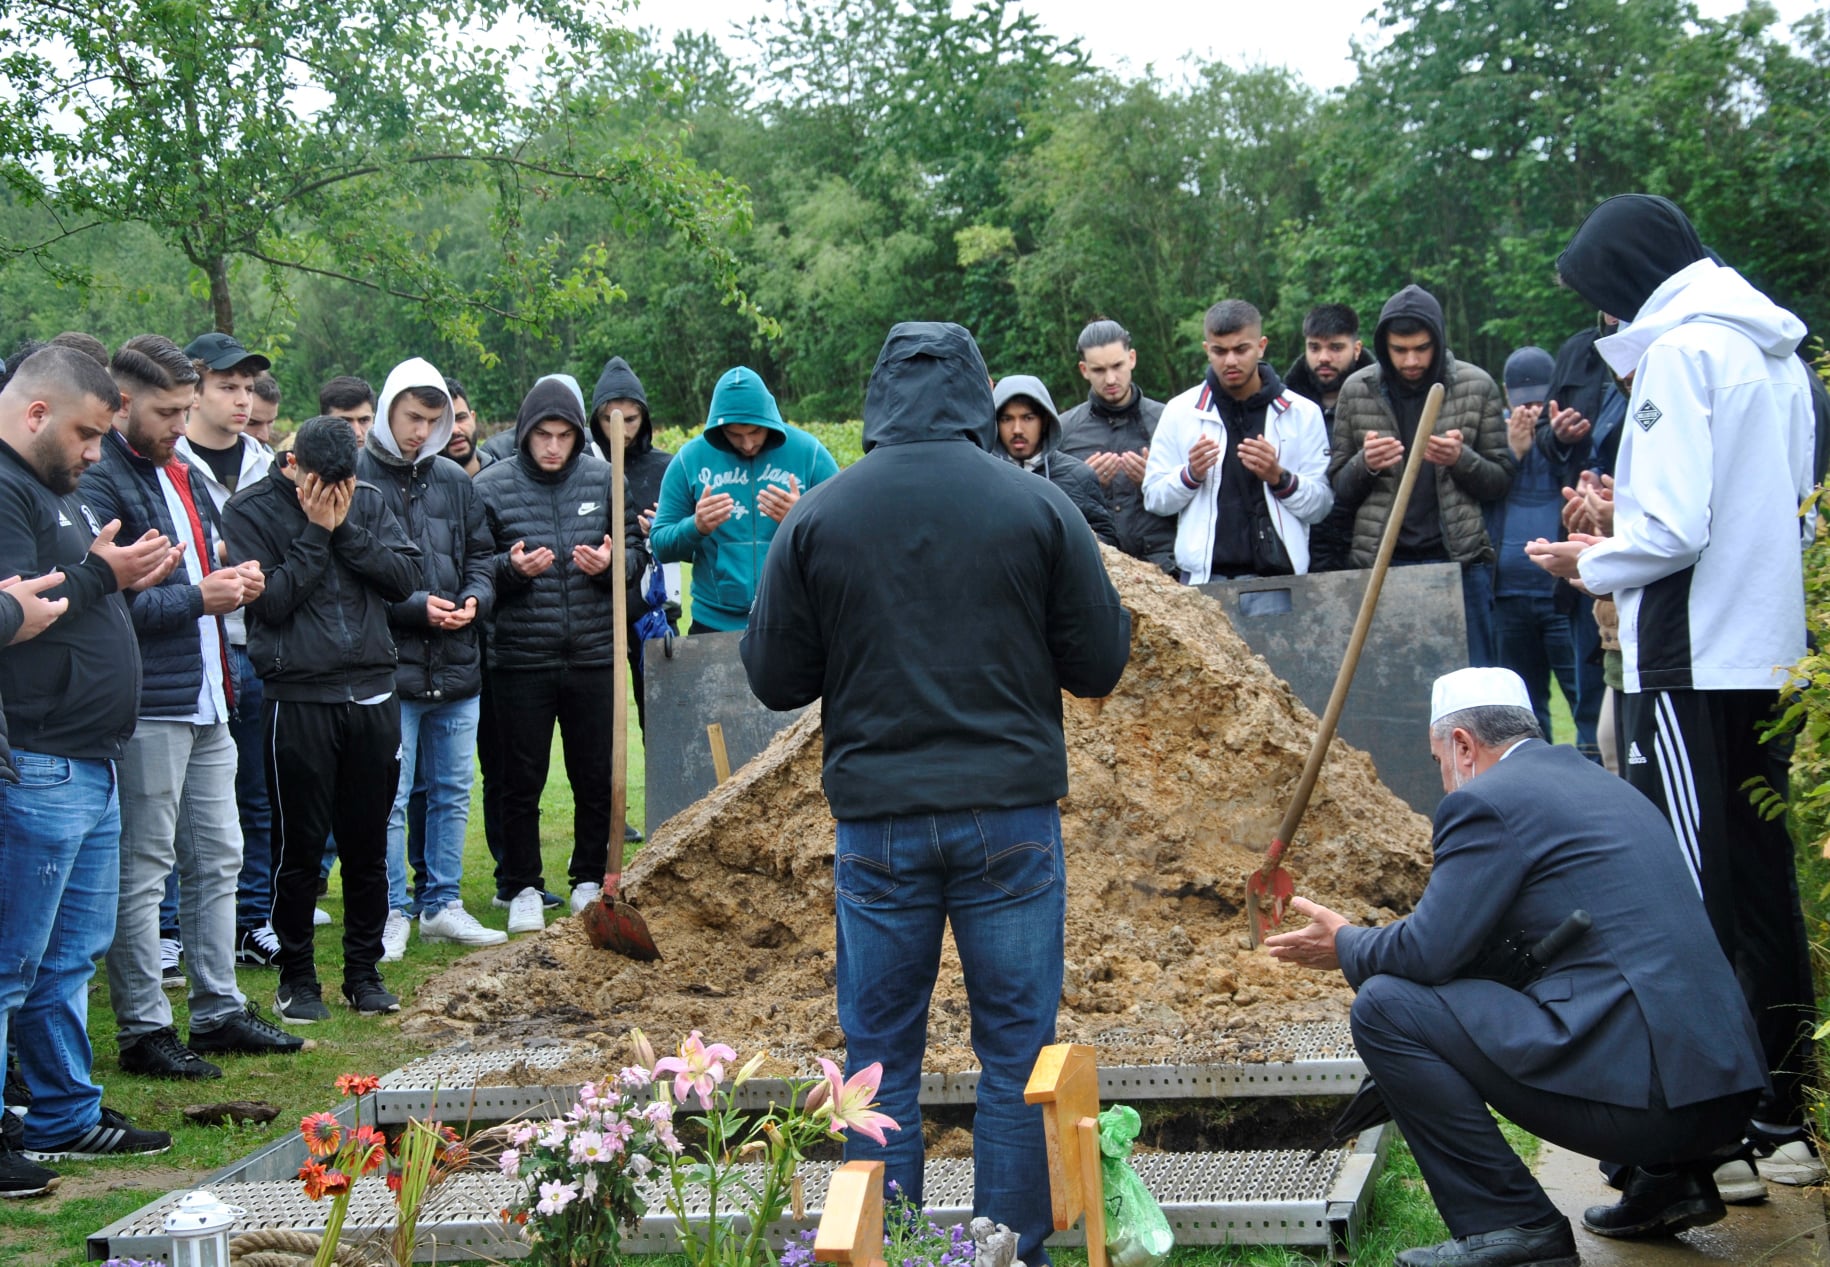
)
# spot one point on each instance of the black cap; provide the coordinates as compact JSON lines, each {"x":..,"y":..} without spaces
{"x":1528,"y":376}
{"x":222,"y":351}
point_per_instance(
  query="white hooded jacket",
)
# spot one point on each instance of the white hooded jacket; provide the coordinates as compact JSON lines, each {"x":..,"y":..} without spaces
{"x":1715,"y":458}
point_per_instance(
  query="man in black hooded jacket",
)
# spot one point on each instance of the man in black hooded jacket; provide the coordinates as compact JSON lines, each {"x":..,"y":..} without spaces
{"x":944,"y":748}
{"x":1029,"y":435}
{"x":619,"y":390}
{"x":551,"y":656}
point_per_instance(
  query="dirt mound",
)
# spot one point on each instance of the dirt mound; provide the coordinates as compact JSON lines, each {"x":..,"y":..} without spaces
{"x":1177,"y":782}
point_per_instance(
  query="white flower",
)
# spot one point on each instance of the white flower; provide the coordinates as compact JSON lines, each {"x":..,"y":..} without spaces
{"x":589,"y":1186}
{"x":555,"y":1197}
{"x":510,"y":1162}
{"x":588,"y":1148}
{"x":555,"y":1134}
{"x":639,"y":1165}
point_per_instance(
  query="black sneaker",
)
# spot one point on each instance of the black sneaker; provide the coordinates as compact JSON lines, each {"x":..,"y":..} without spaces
{"x":630,"y":835}
{"x":18,"y":1095}
{"x":300,"y":1004}
{"x":370,"y":998}
{"x":160,"y":1055}
{"x":171,"y":972}
{"x":548,"y":899}
{"x":257,"y":947}
{"x":113,"y":1136}
{"x":247,"y":1032}
{"x":19,"y":1177}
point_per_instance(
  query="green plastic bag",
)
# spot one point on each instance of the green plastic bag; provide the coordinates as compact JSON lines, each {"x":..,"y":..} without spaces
{"x":1137,"y":1234}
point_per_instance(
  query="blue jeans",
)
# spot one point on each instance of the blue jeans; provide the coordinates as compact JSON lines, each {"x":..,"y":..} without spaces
{"x":1536,"y":641}
{"x":254,"y":887}
{"x":1477,"y":609}
{"x":60,"y":877}
{"x":1591,"y":686}
{"x":999,"y":876}
{"x":437,"y":744}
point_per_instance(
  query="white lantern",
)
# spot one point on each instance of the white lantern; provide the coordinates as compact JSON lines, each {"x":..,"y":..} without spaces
{"x":199,"y":1228}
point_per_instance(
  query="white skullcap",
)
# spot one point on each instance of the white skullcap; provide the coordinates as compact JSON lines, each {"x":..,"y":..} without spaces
{"x":1477,"y":688}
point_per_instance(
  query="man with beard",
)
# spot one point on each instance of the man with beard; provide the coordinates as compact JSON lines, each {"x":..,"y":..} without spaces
{"x":1029,"y":436}
{"x":70,"y":698}
{"x":1331,"y":352}
{"x":264,"y":410}
{"x":1240,"y":462}
{"x":463,"y":448}
{"x":177,"y":773}
{"x":1375,"y":421}
{"x":1111,"y":431}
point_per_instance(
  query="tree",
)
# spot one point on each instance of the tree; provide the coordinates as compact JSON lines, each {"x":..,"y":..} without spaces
{"x":309,"y":136}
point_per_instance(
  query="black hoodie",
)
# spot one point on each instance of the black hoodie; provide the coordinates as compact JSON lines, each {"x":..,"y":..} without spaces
{"x":938,"y":599}
{"x":1625,"y":250}
{"x":643,"y":464}
{"x":1422,"y":531}
{"x":1331,"y":539}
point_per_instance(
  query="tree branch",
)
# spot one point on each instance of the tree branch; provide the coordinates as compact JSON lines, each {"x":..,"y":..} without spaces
{"x":334,"y":275}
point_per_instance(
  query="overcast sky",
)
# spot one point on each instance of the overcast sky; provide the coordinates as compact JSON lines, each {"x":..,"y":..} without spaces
{"x":1125,"y":35}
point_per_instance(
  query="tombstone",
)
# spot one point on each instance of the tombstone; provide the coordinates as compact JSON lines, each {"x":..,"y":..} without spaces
{"x":1301,"y":624}
{"x":692,"y":683}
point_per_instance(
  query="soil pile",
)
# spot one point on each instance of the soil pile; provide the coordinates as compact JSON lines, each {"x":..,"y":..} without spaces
{"x":1177,"y":783}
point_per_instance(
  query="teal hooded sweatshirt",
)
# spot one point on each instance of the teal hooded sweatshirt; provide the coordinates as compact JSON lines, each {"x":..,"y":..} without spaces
{"x":727,"y":562}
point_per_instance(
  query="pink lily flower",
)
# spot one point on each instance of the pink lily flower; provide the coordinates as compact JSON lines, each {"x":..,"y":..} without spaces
{"x":697,"y":1068}
{"x":848,"y":1103}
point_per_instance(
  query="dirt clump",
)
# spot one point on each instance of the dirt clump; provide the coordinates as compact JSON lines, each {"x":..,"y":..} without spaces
{"x":1177,"y":782}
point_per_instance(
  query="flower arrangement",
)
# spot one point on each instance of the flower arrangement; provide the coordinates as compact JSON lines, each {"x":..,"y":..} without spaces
{"x":423,"y":1156}
{"x":580,"y":1174}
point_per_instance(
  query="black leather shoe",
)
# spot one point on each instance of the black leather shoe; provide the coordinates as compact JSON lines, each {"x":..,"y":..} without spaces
{"x":1553,"y":1246}
{"x":160,"y":1055}
{"x":247,"y":1032}
{"x":1658,"y":1205}
{"x":630,"y":835}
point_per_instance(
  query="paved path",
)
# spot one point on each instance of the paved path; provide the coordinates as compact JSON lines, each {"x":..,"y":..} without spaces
{"x":1787,"y":1230}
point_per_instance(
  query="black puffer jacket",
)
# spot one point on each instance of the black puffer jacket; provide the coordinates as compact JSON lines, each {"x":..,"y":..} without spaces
{"x":1331,"y":540}
{"x":562,"y":618}
{"x":319,"y":631}
{"x":1095,"y":427}
{"x":125,"y":486}
{"x":643,"y":464}
{"x":439,"y":507}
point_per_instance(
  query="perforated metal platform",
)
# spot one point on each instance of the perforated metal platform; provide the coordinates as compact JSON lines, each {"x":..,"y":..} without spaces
{"x":447,"y":1083}
{"x":1285,"y":1198}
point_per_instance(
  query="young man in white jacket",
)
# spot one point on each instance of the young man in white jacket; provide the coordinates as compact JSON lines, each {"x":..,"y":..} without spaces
{"x":1240,"y":462}
{"x":1705,"y":564}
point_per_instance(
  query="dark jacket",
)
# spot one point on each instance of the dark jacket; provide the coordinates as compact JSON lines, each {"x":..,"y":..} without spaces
{"x":643,"y":464}
{"x":1471,"y":404}
{"x":1330,"y":541}
{"x":74,"y":690}
{"x":1095,"y":427}
{"x":1064,"y":471}
{"x":563,"y":618}
{"x":319,"y":631}
{"x":1539,"y":835}
{"x":12,"y":619}
{"x":125,"y":486}
{"x":441,"y":512}
{"x":937,"y":599}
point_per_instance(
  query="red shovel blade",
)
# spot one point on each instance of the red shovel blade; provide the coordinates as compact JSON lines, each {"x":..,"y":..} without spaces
{"x":1267,"y":896}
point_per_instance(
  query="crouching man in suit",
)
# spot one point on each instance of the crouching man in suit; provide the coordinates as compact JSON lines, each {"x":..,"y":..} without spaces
{"x":1632,"y":1044}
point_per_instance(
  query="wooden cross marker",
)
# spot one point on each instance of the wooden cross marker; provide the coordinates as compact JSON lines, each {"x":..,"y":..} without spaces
{"x":1065,"y":1082}
{"x":851,"y":1226}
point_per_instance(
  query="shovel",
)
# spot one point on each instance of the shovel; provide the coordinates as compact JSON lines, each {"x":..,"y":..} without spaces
{"x":610,"y":922}
{"x":1269,"y":889}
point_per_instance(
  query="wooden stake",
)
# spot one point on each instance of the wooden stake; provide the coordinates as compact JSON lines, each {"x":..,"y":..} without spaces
{"x":1065,"y":1082}
{"x":721,"y":760}
{"x":851,"y":1226}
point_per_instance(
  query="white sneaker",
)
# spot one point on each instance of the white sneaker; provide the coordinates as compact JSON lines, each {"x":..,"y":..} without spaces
{"x":1794,"y":1164}
{"x":525,"y":913}
{"x":584,"y":894}
{"x":451,"y":922}
{"x":1737,"y":1184}
{"x":319,"y":916}
{"x":394,"y":936}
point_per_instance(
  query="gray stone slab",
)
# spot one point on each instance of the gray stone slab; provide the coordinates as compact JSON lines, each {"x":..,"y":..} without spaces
{"x":1418,"y":633}
{"x":691,"y":683}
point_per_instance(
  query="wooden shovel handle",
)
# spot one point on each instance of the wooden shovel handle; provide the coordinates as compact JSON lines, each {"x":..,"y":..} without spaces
{"x":1369,"y":602}
{"x":619,"y":708}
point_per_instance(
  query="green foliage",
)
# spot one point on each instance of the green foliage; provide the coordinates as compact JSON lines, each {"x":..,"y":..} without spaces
{"x":309,"y":138}
{"x":844,"y":440}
